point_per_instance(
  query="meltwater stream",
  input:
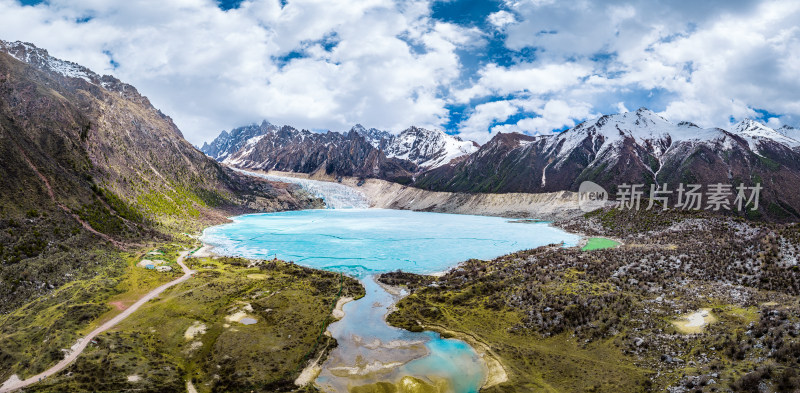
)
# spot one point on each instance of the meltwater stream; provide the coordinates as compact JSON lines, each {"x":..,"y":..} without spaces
{"x":363,"y":243}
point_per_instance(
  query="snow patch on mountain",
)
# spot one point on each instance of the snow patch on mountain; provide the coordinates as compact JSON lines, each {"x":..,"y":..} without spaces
{"x":252,"y":141}
{"x":68,"y":69}
{"x":248,"y":148}
{"x":40,"y":58}
{"x":789,"y":132}
{"x":377,"y":138}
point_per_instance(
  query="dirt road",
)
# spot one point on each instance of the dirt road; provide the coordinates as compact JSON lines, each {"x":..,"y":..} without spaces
{"x":15,"y":383}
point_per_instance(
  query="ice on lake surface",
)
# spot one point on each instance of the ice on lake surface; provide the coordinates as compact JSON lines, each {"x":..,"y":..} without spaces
{"x":365,"y":242}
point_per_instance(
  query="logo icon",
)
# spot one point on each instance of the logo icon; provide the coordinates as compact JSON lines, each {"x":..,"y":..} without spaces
{"x":591,"y":196}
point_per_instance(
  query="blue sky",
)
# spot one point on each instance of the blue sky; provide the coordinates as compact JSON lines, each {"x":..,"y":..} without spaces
{"x":469,"y":67}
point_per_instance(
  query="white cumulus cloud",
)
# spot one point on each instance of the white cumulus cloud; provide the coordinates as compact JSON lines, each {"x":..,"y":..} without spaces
{"x":526,"y":65}
{"x":311,"y":63}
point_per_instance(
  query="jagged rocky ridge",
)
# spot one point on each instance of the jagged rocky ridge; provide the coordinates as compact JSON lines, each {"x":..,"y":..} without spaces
{"x":360,"y":152}
{"x":336,"y":154}
{"x":228,"y":143}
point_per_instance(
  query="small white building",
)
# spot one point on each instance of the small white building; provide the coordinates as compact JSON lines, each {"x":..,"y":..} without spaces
{"x":163,"y":268}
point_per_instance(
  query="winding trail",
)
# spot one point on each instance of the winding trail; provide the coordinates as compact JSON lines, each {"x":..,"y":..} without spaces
{"x":15,"y":383}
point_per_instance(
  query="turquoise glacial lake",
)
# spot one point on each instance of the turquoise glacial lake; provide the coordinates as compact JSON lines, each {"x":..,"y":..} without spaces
{"x":365,"y":242}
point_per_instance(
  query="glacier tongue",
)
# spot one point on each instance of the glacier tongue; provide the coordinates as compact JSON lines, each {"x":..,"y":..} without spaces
{"x":335,"y":195}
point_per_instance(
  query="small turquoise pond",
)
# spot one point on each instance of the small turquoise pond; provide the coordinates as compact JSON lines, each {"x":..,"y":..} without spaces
{"x":365,"y":242}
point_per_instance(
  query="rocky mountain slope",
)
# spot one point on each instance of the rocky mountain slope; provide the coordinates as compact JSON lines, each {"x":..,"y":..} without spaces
{"x":634,"y":148}
{"x":335,"y":154}
{"x":87,"y":162}
{"x":360,"y":152}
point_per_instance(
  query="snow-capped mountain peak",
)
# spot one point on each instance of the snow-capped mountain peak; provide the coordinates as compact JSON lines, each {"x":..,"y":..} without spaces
{"x":753,"y":128}
{"x":756,"y":132}
{"x":428,"y":148}
{"x":377,"y":138}
{"x":644,"y":126}
{"x":40,"y":58}
{"x":641,"y":125}
{"x":228,"y":143}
